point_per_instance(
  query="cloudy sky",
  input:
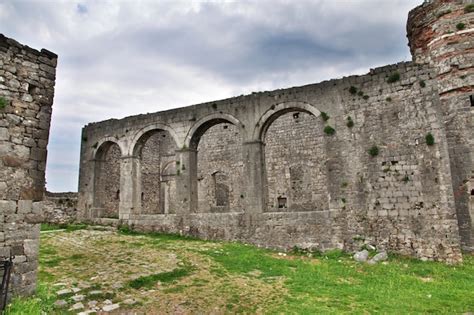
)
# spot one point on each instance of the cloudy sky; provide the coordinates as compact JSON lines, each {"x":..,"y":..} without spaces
{"x":120,"y":58}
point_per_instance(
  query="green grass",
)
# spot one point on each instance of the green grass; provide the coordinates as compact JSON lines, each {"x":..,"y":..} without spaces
{"x":40,"y":303}
{"x":305,"y":282}
{"x":338,"y":284}
{"x":164,"y":277}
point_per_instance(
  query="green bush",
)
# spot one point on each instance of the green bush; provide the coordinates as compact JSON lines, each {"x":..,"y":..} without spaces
{"x":430,"y":139}
{"x":374,"y":151}
{"x":365,"y":97}
{"x":422,"y":84}
{"x":324,"y":116}
{"x":469,"y":8}
{"x":350,"y":122}
{"x":460,"y":26}
{"x":388,"y":99}
{"x":3,"y":102}
{"x":394,"y":77}
{"x":360,"y":93}
{"x":353,"y":90}
{"x":329,"y":130}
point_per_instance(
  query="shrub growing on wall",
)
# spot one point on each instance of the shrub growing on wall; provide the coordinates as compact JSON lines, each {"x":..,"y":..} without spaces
{"x":394,"y":77}
{"x":374,"y":151}
{"x":3,"y":102}
{"x":430,"y":139}
{"x":324,"y":116}
{"x":350,"y":122}
{"x":329,"y":130}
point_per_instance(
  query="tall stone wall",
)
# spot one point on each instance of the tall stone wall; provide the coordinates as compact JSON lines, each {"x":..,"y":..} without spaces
{"x":27,"y":78}
{"x":441,"y":34}
{"x":336,"y":192}
{"x":384,"y":158}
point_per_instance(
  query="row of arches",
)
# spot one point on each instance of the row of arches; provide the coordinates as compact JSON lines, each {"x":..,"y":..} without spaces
{"x":295,"y":175}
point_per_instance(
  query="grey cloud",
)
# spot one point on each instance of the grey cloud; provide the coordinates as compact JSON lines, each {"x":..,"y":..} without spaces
{"x":119,"y":58}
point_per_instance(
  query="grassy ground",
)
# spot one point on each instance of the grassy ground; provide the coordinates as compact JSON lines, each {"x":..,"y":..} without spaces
{"x":170,"y":274}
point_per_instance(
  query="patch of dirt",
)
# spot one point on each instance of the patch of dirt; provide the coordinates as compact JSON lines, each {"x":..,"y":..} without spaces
{"x":106,"y":261}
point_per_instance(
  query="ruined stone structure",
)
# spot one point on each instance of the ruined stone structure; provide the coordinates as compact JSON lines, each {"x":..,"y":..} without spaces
{"x":27,"y":78}
{"x":59,"y":208}
{"x":385,"y":158}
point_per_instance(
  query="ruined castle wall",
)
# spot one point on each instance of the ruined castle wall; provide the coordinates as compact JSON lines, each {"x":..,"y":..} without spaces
{"x":27,"y":78}
{"x":60,"y":208}
{"x":400,"y":199}
{"x":441,"y":34}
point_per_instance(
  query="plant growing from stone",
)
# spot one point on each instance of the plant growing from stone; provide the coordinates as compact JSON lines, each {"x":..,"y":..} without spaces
{"x":350,"y":122}
{"x":469,"y":8}
{"x":365,"y":97}
{"x":353,"y":90}
{"x":460,"y":26}
{"x":329,"y":130}
{"x":3,"y":102}
{"x":325,"y":116}
{"x":374,"y":151}
{"x":422,"y":84}
{"x":430,"y":139}
{"x":394,"y":77}
{"x":388,"y":99}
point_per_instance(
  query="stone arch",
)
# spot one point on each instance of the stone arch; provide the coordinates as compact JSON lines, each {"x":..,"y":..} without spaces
{"x":154,"y":148}
{"x":136,"y":143}
{"x":106,"y":178}
{"x":201,"y":126}
{"x":276,"y":111}
{"x":104,"y":144}
{"x":215,"y":148}
{"x":294,"y":152}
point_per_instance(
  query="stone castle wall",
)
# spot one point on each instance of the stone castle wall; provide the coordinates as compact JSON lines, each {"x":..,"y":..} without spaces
{"x":384,"y":158}
{"x":27,"y":78}
{"x":60,"y":208}
{"x":335,"y":192}
{"x":441,"y":34}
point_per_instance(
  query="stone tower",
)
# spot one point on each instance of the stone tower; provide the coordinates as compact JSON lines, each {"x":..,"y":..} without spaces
{"x":441,"y":34}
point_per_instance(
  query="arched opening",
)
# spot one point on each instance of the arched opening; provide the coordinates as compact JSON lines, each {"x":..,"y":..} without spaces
{"x":219,"y":171}
{"x":156,"y":151}
{"x":295,"y":156}
{"x":107,"y":180}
